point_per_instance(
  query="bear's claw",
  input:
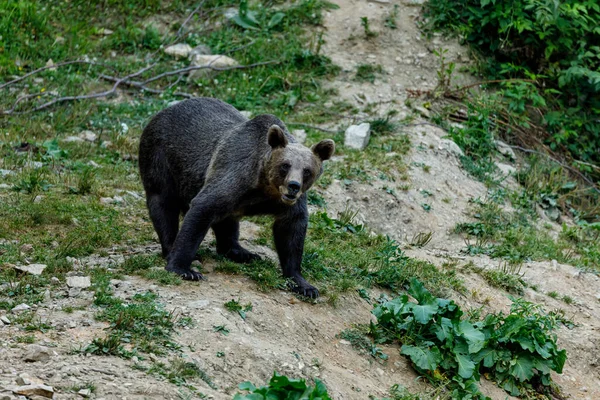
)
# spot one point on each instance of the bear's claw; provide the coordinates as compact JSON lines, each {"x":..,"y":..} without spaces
{"x":186,"y":274}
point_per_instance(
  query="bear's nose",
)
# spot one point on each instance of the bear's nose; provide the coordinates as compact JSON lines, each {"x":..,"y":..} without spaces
{"x":293,"y":187}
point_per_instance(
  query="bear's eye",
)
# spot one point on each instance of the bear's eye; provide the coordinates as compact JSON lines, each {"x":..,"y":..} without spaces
{"x":307,"y":173}
{"x":284,"y":168}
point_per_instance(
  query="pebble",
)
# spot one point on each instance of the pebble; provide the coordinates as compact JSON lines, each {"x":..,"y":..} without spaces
{"x":35,"y":390}
{"x":179,"y":50}
{"x":21,"y":307}
{"x":300,"y":135}
{"x":5,"y":320}
{"x":79,"y":282}
{"x":35,"y":353}
{"x":33,"y":269}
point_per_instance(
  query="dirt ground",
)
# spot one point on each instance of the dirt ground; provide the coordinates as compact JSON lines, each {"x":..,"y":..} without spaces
{"x":299,"y":339}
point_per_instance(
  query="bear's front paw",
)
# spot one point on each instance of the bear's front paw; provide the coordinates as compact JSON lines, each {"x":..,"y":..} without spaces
{"x":187,"y":274}
{"x":304,"y":288}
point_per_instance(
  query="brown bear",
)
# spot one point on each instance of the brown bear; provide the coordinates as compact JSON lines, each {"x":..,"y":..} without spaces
{"x":202,"y":158}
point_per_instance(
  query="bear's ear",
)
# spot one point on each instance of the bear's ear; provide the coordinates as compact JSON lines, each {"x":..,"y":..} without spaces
{"x":324,"y":149}
{"x":276,"y":137}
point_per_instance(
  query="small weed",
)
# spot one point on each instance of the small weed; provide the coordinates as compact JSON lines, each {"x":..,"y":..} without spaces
{"x":221,"y":329}
{"x":421,"y":239}
{"x":25,"y":339}
{"x":567,"y":299}
{"x":364,"y":22}
{"x":553,"y":294}
{"x":426,"y":207}
{"x":368,"y":72}
{"x":390,"y":19}
{"x":362,"y":343}
{"x":181,"y":372}
{"x":235,"y":307}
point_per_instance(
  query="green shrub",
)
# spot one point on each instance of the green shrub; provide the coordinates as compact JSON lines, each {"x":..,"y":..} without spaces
{"x":282,"y":387}
{"x":517,"y":351}
{"x":553,"y":47}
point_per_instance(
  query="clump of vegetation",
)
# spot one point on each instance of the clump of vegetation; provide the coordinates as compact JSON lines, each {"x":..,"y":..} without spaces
{"x":364,"y":22}
{"x":518,"y":351}
{"x":142,"y":325}
{"x":235,"y":307}
{"x":368,"y":72}
{"x":546,"y":54}
{"x":280,"y":387}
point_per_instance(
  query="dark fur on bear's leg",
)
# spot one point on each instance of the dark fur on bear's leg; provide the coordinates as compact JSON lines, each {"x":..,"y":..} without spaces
{"x":227,"y":233}
{"x":289,"y":232}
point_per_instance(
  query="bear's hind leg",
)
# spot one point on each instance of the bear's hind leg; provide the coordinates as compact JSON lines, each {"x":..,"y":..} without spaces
{"x":227,"y":233}
{"x":164,"y":213}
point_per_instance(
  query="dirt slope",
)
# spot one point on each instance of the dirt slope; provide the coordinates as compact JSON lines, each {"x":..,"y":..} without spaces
{"x":296,"y":338}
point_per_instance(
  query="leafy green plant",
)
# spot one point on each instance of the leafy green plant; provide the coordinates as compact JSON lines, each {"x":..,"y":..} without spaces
{"x":281,"y":387}
{"x":235,"y":307}
{"x":546,"y":54}
{"x":248,"y":19}
{"x":364,"y":22}
{"x":368,"y":72}
{"x":390,"y":19}
{"x":518,"y":351}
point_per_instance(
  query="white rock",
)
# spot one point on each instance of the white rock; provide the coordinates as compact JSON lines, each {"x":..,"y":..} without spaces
{"x":79,"y":282}
{"x":20,"y":307}
{"x":5,"y":320}
{"x":300,"y":135}
{"x":33,"y":269}
{"x":93,"y":164}
{"x":506,"y":169}
{"x":88,"y":136}
{"x":179,"y":50}
{"x":451,"y":147}
{"x":198,"y":304}
{"x":505,"y":149}
{"x":26,"y":379}
{"x":105,"y":32}
{"x":201,"y":49}
{"x":85,"y":393}
{"x":72,"y":139}
{"x":230,"y":13}
{"x":5,"y":186}
{"x":35,"y":353}
{"x":209,"y":61}
{"x":246,"y":114}
{"x":357,"y":136}
{"x":5,"y":172}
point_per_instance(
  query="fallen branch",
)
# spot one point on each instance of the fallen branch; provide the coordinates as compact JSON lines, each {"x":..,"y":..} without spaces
{"x":208,"y":66}
{"x":568,"y":167}
{"x":61,"y":64}
{"x":311,"y":127}
{"x":82,"y":97}
{"x":142,"y":87}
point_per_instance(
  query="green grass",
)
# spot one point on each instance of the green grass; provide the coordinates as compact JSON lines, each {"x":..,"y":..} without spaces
{"x":368,"y":72}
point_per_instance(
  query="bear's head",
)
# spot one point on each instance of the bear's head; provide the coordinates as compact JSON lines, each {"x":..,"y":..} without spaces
{"x":292,"y":167}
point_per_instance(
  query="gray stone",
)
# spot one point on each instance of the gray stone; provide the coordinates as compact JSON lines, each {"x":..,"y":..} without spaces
{"x":79,"y":282}
{"x":85,"y":393}
{"x":246,"y":114}
{"x":300,"y":135}
{"x":201,"y":49}
{"x":198,"y":304}
{"x":451,"y":147}
{"x":35,"y":390}
{"x":505,"y":149}
{"x":179,"y":50}
{"x":357,"y":136}
{"x":423,"y":111}
{"x":5,"y":172}
{"x":35,"y":353}
{"x":506,"y":169}
{"x":5,"y":320}
{"x":33,"y":269}
{"x":71,"y":139}
{"x":26,"y":379}
{"x":88,"y":136}
{"x":105,"y":31}
{"x":20,"y":307}
{"x":5,"y":186}
{"x":230,"y":13}
{"x":209,"y":61}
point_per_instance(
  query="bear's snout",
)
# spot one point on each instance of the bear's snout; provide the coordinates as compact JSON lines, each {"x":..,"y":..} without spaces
{"x":293,"y":188}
